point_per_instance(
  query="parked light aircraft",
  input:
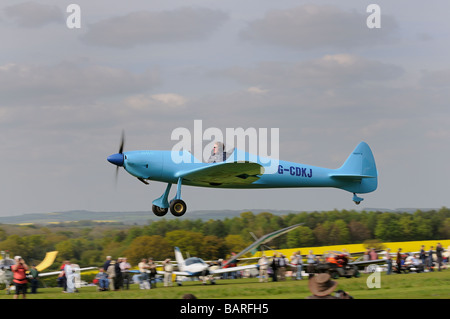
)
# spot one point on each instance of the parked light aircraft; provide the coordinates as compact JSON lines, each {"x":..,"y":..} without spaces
{"x":357,"y":175}
{"x":197,"y":267}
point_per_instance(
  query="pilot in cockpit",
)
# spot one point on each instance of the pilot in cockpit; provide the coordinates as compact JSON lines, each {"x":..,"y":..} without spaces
{"x":218,"y":153}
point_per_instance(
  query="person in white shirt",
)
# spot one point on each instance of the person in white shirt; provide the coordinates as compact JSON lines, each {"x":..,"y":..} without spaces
{"x":168,"y":268}
{"x":263,"y":265}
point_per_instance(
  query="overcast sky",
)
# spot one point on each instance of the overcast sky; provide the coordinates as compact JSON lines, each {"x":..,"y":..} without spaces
{"x":312,"y":69}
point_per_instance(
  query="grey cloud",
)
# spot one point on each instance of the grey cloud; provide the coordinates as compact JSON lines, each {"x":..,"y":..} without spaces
{"x":329,"y":71}
{"x":32,"y":14}
{"x":144,"y":27}
{"x":69,"y":83}
{"x":318,"y":26}
{"x":436,"y":78}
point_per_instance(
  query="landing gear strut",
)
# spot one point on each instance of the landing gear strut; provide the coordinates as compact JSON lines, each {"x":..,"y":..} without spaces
{"x":177,"y":206}
{"x":357,"y":199}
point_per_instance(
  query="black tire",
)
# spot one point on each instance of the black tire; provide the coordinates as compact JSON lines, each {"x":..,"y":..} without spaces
{"x":178,"y":207}
{"x":158,"y":211}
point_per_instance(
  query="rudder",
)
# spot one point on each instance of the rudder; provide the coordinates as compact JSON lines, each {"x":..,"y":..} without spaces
{"x":359,"y":171}
{"x":179,"y":258}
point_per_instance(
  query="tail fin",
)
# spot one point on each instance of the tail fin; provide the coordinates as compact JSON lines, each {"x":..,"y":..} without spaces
{"x":179,"y":258}
{"x":359,"y":171}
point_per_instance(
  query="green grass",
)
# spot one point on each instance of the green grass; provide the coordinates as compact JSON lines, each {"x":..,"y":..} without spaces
{"x":404,"y":286}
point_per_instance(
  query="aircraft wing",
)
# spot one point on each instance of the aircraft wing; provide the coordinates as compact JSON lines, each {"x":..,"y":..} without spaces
{"x":212,"y":271}
{"x":263,"y":240}
{"x":226,"y":173}
{"x":231,"y":269}
{"x":58,"y":272}
{"x":178,"y":273}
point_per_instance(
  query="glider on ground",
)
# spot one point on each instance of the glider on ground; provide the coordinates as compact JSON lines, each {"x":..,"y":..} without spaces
{"x":197,"y":267}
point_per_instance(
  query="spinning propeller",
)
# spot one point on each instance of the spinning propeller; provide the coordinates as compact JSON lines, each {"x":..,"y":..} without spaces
{"x":118,"y":158}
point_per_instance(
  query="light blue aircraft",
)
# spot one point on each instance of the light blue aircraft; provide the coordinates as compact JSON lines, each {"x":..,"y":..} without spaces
{"x":240,"y":169}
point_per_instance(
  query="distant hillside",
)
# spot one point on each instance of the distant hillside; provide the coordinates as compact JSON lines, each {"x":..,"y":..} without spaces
{"x":128,"y":218}
{"x":142,"y":218}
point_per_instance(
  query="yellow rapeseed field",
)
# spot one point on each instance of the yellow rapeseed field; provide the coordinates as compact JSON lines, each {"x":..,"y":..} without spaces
{"x":406,"y":246}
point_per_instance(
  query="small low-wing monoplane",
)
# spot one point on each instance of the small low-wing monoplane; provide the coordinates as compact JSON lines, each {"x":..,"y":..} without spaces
{"x":197,"y":267}
{"x":239,"y":169}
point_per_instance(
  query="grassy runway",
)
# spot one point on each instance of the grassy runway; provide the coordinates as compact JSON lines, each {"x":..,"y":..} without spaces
{"x":396,"y":286}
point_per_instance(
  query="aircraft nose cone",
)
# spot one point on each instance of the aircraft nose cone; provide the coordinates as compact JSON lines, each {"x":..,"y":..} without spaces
{"x":116,"y":159}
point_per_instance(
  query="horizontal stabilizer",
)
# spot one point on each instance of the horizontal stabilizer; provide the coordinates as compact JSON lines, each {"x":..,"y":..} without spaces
{"x":351,"y":176}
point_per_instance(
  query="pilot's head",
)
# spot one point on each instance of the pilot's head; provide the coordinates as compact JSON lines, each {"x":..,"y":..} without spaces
{"x":218,"y":147}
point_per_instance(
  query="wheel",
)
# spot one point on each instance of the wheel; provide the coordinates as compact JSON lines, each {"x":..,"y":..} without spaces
{"x":158,"y":211}
{"x":178,"y":207}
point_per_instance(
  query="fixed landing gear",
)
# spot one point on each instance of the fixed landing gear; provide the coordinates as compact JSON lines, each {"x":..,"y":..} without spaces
{"x":159,"y":211}
{"x":176,"y":206}
{"x":357,"y":199}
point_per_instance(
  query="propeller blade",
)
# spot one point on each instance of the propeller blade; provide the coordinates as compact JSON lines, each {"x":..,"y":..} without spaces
{"x":122,"y":143}
{"x":118,"y":159}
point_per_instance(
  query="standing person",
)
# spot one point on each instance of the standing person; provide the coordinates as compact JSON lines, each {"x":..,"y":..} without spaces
{"x":152,"y":270}
{"x":168,"y":269}
{"x":118,"y":282}
{"x":143,"y":269}
{"x":70,"y":277}
{"x":366,"y":257}
{"x":423,"y":255}
{"x":389,"y":261}
{"x":297,"y":263}
{"x":399,"y":260}
{"x":20,"y":277}
{"x":34,"y":279}
{"x":124,"y":267}
{"x":447,"y":254}
{"x":373,"y":254}
{"x":282,"y":264}
{"x":430,"y":259}
{"x":62,"y":280}
{"x":111,"y":273}
{"x":439,"y":251}
{"x":274,"y":266}
{"x":107,"y":263}
{"x":310,"y":260}
{"x":263,"y":265}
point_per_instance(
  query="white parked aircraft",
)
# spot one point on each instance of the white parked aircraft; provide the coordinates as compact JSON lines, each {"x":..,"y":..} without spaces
{"x":197,"y":267}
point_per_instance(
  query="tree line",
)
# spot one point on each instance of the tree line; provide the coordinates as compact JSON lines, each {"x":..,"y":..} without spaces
{"x":88,"y":243}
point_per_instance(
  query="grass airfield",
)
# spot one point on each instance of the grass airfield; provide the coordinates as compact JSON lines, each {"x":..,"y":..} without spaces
{"x":432,"y":285}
